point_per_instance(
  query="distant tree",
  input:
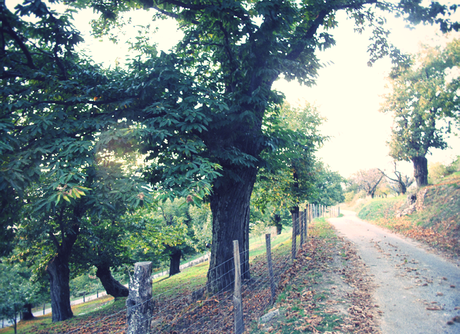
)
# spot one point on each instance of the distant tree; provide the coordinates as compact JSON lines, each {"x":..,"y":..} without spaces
{"x":424,"y":104}
{"x":400,"y":182}
{"x":289,"y":174}
{"x":199,"y":110}
{"x":328,"y":185}
{"x":368,"y":180}
{"x":177,"y":213}
{"x":18,"y":293}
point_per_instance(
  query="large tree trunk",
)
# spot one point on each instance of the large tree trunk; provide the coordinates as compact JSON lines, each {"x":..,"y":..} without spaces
{"x":420,"y":171}
{"x":230,"y":215}
{"x":27,"y":312}
{"x":110,"y":284}
{"x":58,"y":271}
{"x":174,"y":262}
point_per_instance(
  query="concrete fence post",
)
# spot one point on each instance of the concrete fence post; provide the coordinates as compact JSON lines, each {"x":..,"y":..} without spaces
{"x":294,"y":236}
{"x":139,"y":303}
{"x":301,"y":218}
{"x":270,"y":268}
{"x":237,"y":301}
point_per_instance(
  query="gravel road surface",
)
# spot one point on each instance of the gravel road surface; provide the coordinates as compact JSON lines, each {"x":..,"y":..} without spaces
{"x":416,"y":291}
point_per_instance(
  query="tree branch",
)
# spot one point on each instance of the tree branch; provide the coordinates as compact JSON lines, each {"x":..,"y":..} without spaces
{"x":20,"y":43}
{"x":297,"y":50}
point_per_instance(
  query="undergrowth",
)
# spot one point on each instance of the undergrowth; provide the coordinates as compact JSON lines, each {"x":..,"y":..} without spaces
{"x":437,"y":224}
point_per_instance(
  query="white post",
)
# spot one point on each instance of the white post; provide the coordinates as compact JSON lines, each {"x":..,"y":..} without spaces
{"x":237,"y":301}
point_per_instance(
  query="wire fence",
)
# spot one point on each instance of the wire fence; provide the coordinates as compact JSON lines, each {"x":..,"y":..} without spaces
{"x":234,"y":308}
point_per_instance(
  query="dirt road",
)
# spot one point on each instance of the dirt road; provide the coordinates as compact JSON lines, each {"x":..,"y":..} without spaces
{"x":416,"y":291}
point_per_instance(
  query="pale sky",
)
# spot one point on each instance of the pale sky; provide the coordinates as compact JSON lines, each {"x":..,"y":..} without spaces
{"x":348,"y":92}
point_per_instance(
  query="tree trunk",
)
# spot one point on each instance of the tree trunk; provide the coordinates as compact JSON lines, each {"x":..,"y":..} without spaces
{"x":27,"y":312}
{"x":230,"y":214}
{"x":277,"y":223}
{"x":295,"y":214}
{"x":420,"y":171}
{"x":110,"y":284}
{"x":174,"y":262}
{"x":58,"y":271}
{"x":402,"y":188}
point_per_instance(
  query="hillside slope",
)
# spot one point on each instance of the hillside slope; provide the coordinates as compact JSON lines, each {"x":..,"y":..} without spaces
{"x":430,"y":215}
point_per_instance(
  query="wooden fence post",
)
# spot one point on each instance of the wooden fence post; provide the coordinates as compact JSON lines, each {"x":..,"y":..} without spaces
{"x":305,"y":220}
{"x":270,"y":267}
{"x":237,"y":301}
{"x":139,"y":302}
{"x":294,"y":236}
{"x":301,"y":217}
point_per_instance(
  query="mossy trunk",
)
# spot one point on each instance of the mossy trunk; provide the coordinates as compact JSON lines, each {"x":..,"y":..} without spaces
{"x":420,"y":171}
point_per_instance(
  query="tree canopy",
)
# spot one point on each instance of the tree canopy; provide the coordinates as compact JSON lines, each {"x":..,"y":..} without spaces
{"x":425,"y":105}
{"x":197,"y":112}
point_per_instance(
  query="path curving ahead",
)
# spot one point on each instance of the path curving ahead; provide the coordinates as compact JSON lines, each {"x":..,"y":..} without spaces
{"x":416,"y":291}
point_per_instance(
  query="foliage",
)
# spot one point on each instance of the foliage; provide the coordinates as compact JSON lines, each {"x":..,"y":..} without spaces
{"x":288,"y":175}
{"x":349,"y":196}
{"x":399,"y":183}
{"x":368,"y":180}
{"x":197,"y":111}
{"x":203,"y":111}
{"x":436,"y":224}
{"x":291,"y":173}
{"x":438,"y":171}
{"x":16,"y":290}
{"x":424,"y":105}
{"x":85,"y":284}
{"x":201,"y":225}
{"x":328,"y":186}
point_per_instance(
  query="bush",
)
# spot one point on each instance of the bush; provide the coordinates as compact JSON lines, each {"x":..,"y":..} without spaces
{"x":349,"y":196}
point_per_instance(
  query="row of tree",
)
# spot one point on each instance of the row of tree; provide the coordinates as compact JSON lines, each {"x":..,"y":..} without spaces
{"x":203,"y":118}
{"x":423,"y":100}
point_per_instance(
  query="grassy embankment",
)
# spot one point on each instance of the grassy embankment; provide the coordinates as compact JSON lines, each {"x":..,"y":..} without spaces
{"x":98,"y":309}
{"x":437,"y":224}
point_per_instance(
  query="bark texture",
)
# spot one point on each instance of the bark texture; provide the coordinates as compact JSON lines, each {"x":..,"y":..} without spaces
{"x":420,"y":171}
{"x":27,"y":312}
{"x":277,"y":223}
{"x":58,"y":271}
{"x":110,"y":284}
{"x":230,"y":210}
{"x":174,"y":262}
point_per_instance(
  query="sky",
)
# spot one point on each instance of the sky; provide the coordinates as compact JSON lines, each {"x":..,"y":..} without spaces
{"x":348,"y":93}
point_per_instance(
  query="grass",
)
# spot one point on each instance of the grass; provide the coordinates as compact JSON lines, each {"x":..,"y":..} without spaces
{"x":322,"y":229}
{"x":380,"y":208}
{"x":437,"y":224}
{"x":100,"y":307}
{"x":302,"y":303}
{"x":188,"y":280}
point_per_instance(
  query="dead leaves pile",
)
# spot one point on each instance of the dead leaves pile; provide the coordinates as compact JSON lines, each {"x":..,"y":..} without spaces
{"x":327,"y":290}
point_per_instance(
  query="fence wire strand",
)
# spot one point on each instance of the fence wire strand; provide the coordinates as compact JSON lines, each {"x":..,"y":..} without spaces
{"x":206,"y":310}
